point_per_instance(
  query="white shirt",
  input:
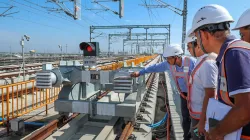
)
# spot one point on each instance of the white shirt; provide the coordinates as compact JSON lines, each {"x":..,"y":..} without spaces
{"x":205,"y":77}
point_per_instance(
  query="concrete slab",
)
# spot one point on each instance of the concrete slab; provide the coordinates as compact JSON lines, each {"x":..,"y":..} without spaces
{"x":174,"y":105}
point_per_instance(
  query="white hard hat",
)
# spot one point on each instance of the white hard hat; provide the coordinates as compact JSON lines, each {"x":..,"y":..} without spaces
{"x":189,"y":38}
{"x":243,"y":21}
{"x":172,"y":50}
{"x":210,"y":14}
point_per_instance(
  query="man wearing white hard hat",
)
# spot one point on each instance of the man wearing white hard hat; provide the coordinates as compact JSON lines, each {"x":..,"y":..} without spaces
{"x":191,"y":44}
{"x":211,"y":26}
{"x":202,"y":86}
{"x":243,"y":25}
{"x":180,"y":67}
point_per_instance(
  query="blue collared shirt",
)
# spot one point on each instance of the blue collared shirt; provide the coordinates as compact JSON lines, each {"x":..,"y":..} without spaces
{"x":163,"y":66}
{"x":237,"y":63}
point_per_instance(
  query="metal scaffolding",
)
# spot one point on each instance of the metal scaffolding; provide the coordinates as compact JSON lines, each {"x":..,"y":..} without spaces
{"x":153,"y":42}
{"x":130,"y":27}
{"x":136,"y":34}
{"x":129,"y":34}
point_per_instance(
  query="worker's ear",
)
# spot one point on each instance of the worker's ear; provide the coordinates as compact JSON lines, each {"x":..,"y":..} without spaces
{"x":198,"y":49}
{"x":204,"y":35}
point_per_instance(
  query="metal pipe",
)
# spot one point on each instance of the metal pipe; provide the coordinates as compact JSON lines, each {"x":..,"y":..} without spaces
{"x":123,"y":47}
{"x":23,"y":61}
{"x":47,"y":94}
{"x":34,"y":123}
{"x":90,"y":31}
{"x":109,"y":45}
{"x":131,"y":48}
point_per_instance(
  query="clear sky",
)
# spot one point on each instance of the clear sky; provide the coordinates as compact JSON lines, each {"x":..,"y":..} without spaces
{"x":49,"y":29}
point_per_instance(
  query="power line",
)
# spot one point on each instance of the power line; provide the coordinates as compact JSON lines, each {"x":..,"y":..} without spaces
{"x":36,"y":9}
{"x":37,"y":4}
{"x":150,"y":18}
{"x":90,"y":21}
{"x":35,"y":23}
{"x":106,"y":8}
{"x":45,"y":12}
{"x":157,"y":15}
{"x":48,"y":12}
{"x":148,"y":11}
{"x":6,"y":12}
{"x":99,"y":16}
{"x":53,"y":8}
{"x":104,"y":19}
{"x":115,"y":18}
{"x":180,"y":1}
{"x":27,"y":6}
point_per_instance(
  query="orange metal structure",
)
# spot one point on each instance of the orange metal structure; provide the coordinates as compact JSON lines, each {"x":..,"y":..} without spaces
{"x":19,"y":99}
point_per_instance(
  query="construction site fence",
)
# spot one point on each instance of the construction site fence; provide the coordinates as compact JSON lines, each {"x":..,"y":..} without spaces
{"x":22,"y":98}
{"x":119,"y":64}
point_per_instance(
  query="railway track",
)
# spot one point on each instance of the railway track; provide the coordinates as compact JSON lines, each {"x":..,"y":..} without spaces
{"x":16,"y":70}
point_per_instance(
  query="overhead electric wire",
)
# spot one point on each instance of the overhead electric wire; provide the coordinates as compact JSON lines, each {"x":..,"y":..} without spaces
{"x":90,"y":21}
{"x":101,"y":17}
{"x":180,"y":1}
{"x":157,"y":14}
{"x":104,"y":19}
{"x":39,"y":14}
{"x":36,"y":4}
{"x":35,"y":23}
{"x":45,"y":12}
{"x":111,"y":12}
{"x":108,"y":11}
{"x":115,"y":17}
{"x":104,"y":7}
{"x":145,"y":2}
{"x":149,"y":14}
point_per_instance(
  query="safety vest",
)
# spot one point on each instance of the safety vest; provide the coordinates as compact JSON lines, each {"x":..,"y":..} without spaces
{"x":183,"y":74}
{"x":193,"y":114}
{"x":224,"y":95}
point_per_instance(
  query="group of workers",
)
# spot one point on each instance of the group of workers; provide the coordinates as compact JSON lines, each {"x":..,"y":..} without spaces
{"x":221,"y":71}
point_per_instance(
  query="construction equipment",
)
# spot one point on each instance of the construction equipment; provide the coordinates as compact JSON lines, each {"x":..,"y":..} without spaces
{"x":82,"y":84}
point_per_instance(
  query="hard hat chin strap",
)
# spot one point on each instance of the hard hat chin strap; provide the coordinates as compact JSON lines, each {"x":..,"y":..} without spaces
{"x":175,"y":60}
{"x":176,"y":57}
{"x":193,"y":49}
{"x":201,"y":45}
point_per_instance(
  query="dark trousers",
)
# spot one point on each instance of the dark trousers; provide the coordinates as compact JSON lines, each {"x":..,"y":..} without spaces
{"x":194,"y":122}
{"x":186,"y":121}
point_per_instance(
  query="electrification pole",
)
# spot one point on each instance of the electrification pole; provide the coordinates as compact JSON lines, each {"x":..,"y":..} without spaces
{"x":60,"y":47}
{"x":22,"y":44}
